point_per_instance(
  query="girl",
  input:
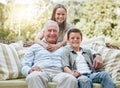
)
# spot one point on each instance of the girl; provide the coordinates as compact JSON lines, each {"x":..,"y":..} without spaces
{"x":59,"y":15}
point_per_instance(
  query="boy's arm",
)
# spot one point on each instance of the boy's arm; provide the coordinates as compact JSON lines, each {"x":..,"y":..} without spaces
{"x":75,"y":74}
{"x":97,"y":62}
{"x":67,"y":70}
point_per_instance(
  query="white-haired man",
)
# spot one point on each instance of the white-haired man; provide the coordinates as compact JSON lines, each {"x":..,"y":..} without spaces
{"x":40,"y":65}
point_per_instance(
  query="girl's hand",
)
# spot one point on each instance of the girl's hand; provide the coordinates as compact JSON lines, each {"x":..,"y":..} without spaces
{"x":52,"y":47}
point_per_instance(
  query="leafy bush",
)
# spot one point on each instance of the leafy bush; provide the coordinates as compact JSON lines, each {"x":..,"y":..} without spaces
{"x":93,"y":17}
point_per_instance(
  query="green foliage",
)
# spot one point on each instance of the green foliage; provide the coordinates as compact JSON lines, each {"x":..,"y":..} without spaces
{"x":93,"y":17}
{"x":96,"y":17}
{"x":24,"y":21}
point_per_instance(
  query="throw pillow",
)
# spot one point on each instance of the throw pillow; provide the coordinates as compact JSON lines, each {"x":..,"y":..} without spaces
{"x":89,"y":42}
{"x":19,"y":49}
{"x":9,"y":61}
{"x":111,"y":59}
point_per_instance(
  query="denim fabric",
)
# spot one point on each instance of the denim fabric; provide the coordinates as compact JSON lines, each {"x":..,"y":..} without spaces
{"x":103,"y":78}
{"x":86,"y":80}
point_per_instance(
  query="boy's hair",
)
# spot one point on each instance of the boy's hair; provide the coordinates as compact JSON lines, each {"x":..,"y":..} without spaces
{"x":74,"y":30}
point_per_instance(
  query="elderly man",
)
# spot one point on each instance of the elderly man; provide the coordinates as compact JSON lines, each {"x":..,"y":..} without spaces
{"x":40,"y":65}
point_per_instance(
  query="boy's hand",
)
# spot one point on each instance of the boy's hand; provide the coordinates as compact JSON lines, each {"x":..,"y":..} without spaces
{"x":97,"y":62}
{"x":76,"y":74}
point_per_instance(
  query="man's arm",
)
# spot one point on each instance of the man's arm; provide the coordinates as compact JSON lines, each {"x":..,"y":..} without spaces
{"x":27,"y":61}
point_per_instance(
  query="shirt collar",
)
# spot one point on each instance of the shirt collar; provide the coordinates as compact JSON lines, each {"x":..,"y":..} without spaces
{"x":82,"y":50}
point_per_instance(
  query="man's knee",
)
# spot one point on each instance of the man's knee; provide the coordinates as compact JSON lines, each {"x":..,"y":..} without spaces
{"x":65,"y":76}
{"x":70,"y":77}
{"x":33,"y":75}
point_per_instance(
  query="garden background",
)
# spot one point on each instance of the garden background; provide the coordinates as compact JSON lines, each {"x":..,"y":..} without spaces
{"x":23,"y":19}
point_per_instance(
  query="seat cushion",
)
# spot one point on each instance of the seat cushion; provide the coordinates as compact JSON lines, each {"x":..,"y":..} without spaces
{"x":96,"y":85}
{"x":111,"y":59}
{"x":21,"y":83}
{"x":10,"y":60}
{"x":117,"y":84}
{"x":15,"y":83}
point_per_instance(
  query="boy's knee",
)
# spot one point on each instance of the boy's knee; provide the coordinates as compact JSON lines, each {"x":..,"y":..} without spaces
{"x":84,"y":79}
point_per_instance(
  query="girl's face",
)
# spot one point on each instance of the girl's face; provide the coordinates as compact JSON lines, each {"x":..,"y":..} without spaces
{"x":75,"y":40}
{"x":60,"y":15}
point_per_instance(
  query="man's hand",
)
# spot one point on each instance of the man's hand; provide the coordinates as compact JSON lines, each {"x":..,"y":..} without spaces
{"x":97,"y":62}
{"x":35,"y":68}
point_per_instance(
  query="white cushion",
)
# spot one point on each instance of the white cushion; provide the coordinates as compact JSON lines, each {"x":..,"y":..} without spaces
{"x":111,"y":58}
{"x":19,"y":49}
{"x":10,"y":61}
{"x":89,"y":42}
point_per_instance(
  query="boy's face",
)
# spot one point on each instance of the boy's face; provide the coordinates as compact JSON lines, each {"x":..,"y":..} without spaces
{"x":75,"y":40}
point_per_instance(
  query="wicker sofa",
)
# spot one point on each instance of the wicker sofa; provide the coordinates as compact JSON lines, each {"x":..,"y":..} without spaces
{"x":16,"y":80}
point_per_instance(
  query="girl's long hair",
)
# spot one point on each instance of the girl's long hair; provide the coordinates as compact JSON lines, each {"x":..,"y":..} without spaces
{"x":63,"y":25}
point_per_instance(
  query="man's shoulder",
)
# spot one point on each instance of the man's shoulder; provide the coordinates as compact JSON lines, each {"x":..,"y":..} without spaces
{"x":34,"y":46}
{"x":67,"y":48}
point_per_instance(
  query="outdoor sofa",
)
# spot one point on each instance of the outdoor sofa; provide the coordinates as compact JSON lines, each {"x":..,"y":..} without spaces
{"x":11,"y":55}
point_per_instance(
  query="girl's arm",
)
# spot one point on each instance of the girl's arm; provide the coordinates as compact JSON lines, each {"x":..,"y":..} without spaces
{"x":39,"y":38}
{"x":62,"y":43}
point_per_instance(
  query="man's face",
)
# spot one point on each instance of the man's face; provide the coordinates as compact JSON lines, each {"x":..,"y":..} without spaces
{"x":74,"y":40}
{"x":51,"y":34}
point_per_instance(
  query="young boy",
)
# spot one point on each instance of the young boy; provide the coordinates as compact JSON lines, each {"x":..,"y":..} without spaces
{"x":82,"y":64}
